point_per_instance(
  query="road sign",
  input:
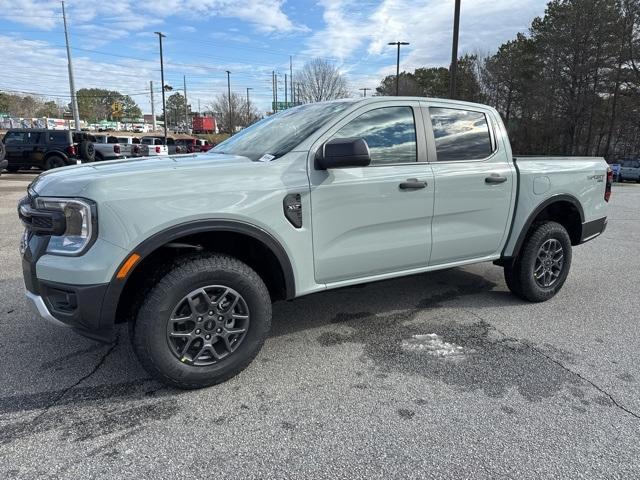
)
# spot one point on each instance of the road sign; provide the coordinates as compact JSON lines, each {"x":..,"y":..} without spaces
{"x":283,"y":105}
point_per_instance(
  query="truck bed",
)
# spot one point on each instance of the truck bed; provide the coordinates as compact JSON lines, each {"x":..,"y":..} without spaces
{"x":544,"y":178}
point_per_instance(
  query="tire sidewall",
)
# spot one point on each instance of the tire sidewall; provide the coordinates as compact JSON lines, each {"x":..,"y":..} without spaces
{"x":54,"y":161}
{"x":544,"y":232}
{"x":151,"y":326}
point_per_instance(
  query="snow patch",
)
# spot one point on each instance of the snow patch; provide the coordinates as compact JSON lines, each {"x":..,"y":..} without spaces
{"x":432,"y":344}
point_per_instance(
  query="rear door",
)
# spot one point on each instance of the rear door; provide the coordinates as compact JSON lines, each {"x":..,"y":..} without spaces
{"x":14,"y":146}
{"x":474,"y":182}
{"x":364,"y":223}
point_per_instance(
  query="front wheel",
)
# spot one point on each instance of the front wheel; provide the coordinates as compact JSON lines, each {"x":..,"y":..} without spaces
{"x":203,"y":323}
{"x":542,"y":267}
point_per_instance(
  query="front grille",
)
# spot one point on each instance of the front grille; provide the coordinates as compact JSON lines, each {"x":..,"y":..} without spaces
{"x":44,"y":223}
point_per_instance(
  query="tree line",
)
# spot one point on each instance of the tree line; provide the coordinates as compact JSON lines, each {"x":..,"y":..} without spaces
{"x":571,"y":86}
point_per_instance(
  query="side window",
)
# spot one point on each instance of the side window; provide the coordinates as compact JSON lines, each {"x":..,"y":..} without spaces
{"x":33,"y":138}
{"x":57,"y":137}
{"x":390,"y":133}
{"x":460,"y":134}
{"x":14,"y":138}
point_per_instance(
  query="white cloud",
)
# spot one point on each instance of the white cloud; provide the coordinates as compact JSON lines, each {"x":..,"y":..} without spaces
{"x":353,"y":29}
{"x":265,"y":16}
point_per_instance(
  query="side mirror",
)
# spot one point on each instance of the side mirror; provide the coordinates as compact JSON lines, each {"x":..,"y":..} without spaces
{"x":343,"y":152}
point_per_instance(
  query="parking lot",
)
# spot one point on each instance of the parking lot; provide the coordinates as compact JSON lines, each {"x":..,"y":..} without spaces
{"x":441,"y":375}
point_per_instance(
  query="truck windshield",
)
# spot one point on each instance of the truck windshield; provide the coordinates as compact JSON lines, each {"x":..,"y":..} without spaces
{"x":280,"y":133}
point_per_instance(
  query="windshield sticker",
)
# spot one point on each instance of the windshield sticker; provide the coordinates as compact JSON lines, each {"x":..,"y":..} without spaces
{"x":266,"y":158}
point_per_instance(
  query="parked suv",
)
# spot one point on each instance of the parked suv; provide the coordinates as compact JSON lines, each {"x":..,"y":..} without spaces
{"x":629,"y":170}
{"x":46,"y":149}
{"x":3,"y":161}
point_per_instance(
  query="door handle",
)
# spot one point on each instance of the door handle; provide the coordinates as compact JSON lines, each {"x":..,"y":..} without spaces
{"x":494,"y":178}
{"x":412,"y":184}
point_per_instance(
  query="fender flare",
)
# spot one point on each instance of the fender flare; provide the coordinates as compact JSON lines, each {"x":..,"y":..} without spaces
{"x":533,"y":215}
{"x":157,"y":240}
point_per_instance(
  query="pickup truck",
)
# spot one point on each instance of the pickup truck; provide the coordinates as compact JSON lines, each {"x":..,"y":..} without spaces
{"x":192,"y":250}
{"x":107,"y":147}
{"x":130,"y":146}
{"x":153,"y":147}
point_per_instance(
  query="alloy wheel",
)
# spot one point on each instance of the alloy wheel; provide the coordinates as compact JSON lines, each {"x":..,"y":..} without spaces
{"x":549,"y":263}
{"x":207,"y":325}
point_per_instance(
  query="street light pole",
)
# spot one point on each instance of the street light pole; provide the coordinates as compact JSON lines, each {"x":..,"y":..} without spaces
{"x":164,"y":103}
{"x":248,"y":106}
{"x":454,"y":52}
{"x":365,"y":91}
{"x":229,"y":97}
{"x":398,"y":65}
{"x":72,"y":87}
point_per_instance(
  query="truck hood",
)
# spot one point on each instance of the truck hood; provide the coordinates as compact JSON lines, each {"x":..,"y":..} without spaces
{"x":78,"y":180}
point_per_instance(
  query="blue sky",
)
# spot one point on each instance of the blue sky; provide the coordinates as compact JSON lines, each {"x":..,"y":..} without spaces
{"x":113,"y":44}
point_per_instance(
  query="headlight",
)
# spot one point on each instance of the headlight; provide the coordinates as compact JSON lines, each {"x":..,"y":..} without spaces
{"x":80,"y":226}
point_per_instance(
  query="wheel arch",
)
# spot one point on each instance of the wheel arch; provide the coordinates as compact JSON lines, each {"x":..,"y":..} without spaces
{"x":564,"y":209}
{"x":262,"y":252}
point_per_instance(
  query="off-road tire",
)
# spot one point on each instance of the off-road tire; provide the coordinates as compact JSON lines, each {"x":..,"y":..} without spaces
{"x":54,"y":161}
{"x":149,"y":332}
{"x":87,"y":151}
{"x":520,"y":275}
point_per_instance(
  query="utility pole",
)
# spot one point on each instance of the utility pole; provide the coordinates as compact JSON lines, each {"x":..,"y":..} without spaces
{"x":199,"y":111}
{"x":186,"y":106}
{"x":365,"y":91}
{"x":164,"y":103}
{"x":153,"y":107}
{"x":453,"y":70}
{"x":293,"y":100}
{"x":285,"y":91}
{"x":273,"y":90}
{"x":72,"y":87}
{"x":398,"y":65}
{"x":230,"y":106}
{"x":275,"y":79}
{"x":248,"y":106}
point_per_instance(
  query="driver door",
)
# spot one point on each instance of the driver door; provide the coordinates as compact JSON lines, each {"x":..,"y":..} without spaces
{"x":364,"y":223}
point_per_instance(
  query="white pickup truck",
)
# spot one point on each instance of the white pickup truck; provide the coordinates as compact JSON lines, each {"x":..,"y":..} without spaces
{"x":192,"y":250}
{"x":153,"y":147}
{"x":106,"y":147}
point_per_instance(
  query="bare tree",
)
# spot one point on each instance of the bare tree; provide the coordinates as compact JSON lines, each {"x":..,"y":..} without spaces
{"x":320,"y":80}
{"x":242,"y":115}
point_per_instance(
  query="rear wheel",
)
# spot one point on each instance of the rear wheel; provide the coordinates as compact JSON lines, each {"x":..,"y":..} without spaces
{"x":203,"y":323}
{"x":54,"y":161}
{"x":542,"y":267}
{"x":12,"y":168}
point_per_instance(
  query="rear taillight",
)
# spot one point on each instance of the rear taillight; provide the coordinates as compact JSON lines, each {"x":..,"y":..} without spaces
{"x":116,"y":148}
{"x":157,"y":149}
{"x":71,"y":150}
{"x":607,"y":188}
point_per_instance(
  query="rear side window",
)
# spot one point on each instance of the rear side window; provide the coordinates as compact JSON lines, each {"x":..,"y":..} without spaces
{"x":460,"y":134}
{"x":58,"y":137}
{"x":390,"y":133}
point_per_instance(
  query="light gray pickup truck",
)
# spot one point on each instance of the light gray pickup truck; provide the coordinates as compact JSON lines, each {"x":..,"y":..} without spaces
{"x":192,"y":250}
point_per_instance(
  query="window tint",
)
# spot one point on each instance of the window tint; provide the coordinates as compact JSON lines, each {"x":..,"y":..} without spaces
{"x":460,"y":134}
{"x":58,"y":137}
{"x":390,"y":133}
{"x":13,"y":138}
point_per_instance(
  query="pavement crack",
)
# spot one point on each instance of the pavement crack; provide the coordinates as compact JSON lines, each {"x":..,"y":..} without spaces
{"x":559,"y":364}
{"x":93,"y":371}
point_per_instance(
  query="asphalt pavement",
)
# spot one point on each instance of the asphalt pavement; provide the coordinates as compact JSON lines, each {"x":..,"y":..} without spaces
{"x":442,"y":375}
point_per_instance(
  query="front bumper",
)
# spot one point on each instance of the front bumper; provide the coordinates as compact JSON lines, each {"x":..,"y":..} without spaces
{"x":81,"y":307}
